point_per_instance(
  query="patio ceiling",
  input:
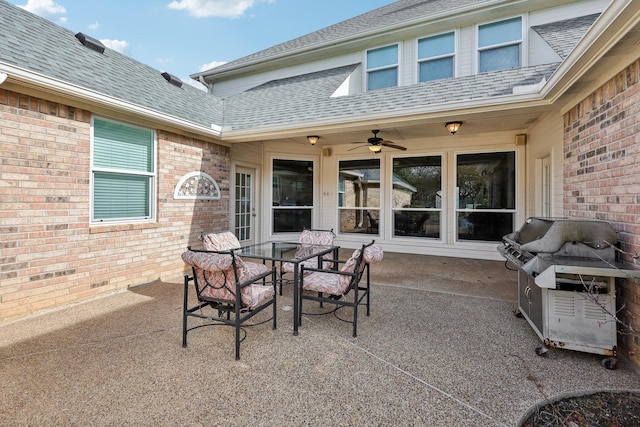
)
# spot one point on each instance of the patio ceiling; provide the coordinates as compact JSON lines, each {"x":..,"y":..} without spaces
{"x":417,"y":128}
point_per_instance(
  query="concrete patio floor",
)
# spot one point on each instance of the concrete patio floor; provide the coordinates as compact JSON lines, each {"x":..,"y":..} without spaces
{"x":442,"y":347}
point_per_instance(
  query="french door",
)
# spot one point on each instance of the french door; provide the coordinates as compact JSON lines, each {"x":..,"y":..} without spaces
{"x":244,"y":206}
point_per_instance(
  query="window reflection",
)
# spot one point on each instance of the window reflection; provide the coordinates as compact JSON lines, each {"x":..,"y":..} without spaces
{"x":292,"y":195}
{"x":416,"y":224}
{"x":417,"y":201}
{"x":489,"y":226}
{"x":382,"y":67}
{"x":499,"y":45}
{"x":485,"y":182}
{"x":435,"y":57}
{"x":359,"y":196}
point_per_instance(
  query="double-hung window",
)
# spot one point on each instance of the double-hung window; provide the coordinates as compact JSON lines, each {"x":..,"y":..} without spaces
{"x":417,"y":192}
{"x":292,"y":195}
{"x":382,"y":67}
{"x":123,"y":172}
{"x":436,"y":57}
{"x":359,"y":196}
{"x":486,"y":187}
{"x":500,"y":45}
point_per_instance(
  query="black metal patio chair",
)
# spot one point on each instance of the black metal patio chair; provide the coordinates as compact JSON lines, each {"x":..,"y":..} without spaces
{"x":310,"y":237}
{"x":333,"y":286}
{"x":235,"y":291}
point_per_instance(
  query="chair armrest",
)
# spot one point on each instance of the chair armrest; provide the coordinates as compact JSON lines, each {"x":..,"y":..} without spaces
{"x":327,"y":270}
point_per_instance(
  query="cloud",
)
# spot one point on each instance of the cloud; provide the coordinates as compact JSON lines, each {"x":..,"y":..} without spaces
{"x":94,"y":26}
{"x":214,"y":8}
{"x":117,"y":45}
{"x":46,"y":9}
{"x":210,"y":65}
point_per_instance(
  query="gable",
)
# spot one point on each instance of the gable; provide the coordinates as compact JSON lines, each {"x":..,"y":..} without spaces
{"x":564,"y":35}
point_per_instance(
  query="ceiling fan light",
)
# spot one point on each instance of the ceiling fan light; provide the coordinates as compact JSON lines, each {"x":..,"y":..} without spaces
{"x":375,"y":148}
{"x":453,"y":127}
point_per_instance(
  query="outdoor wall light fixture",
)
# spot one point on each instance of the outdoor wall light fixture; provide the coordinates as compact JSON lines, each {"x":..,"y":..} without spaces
{"x":453,"y":127}
{"x":375,"y":148}
{"x":313,"y":139}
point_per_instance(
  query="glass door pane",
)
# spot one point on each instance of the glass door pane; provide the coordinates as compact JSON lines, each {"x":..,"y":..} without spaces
{"x":244,"y":209}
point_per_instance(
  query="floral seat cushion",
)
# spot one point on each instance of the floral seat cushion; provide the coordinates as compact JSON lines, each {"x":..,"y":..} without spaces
{"x":339,"y":284}
{"x":224,"y":241}
{"x":215,"y":278}
{"x":311,"y":237}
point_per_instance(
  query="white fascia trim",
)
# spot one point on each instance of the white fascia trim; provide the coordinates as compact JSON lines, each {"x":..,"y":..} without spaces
{"x":42,"y":82}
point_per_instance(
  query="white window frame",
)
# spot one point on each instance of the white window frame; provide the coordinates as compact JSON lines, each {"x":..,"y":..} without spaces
{"x":152,"y":201}
{"x":521,"y":41}
{"x":441,"y":210}
{"x":385,"y":67}
{"x":453,"y":55}
{"x":455,"y":197}
{"x":313,"y":208}
{"x":380,"y":209}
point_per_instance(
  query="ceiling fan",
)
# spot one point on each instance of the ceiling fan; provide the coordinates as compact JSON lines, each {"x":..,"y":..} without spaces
{"x":376,"y":143}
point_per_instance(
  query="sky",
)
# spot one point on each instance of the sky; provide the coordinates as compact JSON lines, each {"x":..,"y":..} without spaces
{"x":183,"y":37}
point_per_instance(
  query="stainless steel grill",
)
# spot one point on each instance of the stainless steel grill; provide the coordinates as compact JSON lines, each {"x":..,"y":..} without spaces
{"x":566,"y":282}
{"x":560,"y":238}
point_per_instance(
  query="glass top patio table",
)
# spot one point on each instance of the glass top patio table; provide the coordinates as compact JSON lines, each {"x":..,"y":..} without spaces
{"x":293,"y":252}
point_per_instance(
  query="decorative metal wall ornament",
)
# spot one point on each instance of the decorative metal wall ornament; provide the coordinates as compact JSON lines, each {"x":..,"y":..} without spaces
{"x":197,"y":185}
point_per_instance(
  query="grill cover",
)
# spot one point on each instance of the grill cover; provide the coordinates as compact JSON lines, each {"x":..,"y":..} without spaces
{"x":547,"y":235}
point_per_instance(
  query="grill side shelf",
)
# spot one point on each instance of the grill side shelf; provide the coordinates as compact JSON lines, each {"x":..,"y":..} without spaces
{"x":547,"y":278}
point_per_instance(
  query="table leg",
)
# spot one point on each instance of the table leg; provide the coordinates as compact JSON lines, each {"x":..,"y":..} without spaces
{"x":296,"y":303}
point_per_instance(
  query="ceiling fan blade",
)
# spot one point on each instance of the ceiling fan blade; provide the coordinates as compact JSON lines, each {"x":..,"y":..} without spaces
{"x":355,"y":148}
{"x":392,"y":145}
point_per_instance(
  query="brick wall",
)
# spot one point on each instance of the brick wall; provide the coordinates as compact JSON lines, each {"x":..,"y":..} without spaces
{"x":602,"y":177}
{"x":49,"y":255}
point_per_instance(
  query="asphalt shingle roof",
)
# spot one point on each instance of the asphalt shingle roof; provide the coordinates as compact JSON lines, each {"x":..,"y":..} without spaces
{"x":308,"y":97}
{"x":563,"y":36}
{"x":35,"y":44}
